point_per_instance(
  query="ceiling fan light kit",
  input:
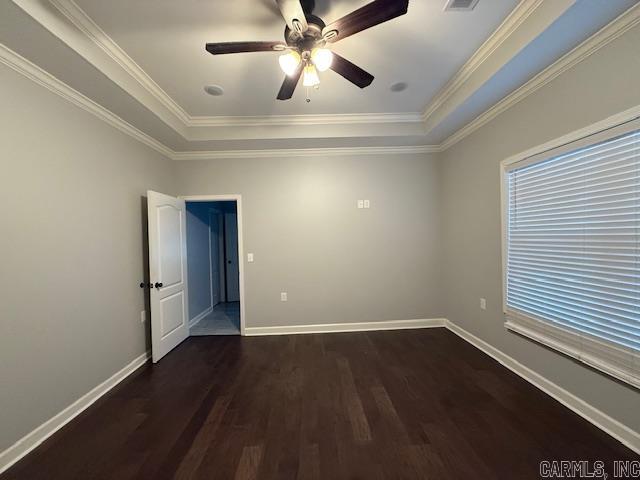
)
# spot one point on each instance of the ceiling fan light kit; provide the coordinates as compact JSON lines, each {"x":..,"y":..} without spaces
{"x":310,"y":76}
{"x":322,"y":58}
{"x":306,"y":37}
{"x":289,"y":62}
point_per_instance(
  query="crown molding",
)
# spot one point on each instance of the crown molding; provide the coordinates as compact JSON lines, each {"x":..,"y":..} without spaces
{"x":311,"y":120}
{"x":91,"y":30}
{"x":519,"y":14}
{"x":305,"y":152}
{"x":45,"y":79}
{"x":197,"y":128}
{"x":601,"y":38}
{"x":88,"y":27}
{"x":526,"y":23}
{"x":607,"y":34}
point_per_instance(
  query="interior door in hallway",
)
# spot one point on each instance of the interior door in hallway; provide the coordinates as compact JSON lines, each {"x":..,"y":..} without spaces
{"x":167,"y":272}
{"x":231,"y":257}
{"x":217,"y":290}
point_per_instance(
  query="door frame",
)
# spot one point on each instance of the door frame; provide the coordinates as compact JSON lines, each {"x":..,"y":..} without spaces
{"x":238,"y":199}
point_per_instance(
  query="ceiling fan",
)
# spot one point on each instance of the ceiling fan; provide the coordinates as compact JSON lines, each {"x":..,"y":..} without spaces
{"x":306,"y":37}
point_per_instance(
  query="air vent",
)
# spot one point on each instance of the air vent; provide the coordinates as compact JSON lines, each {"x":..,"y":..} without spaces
{"x":460,"y":5}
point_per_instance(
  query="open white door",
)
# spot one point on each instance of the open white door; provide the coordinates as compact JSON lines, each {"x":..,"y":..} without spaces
{"x":168,"y":272}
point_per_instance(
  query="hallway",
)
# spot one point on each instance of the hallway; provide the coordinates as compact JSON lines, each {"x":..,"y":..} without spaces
{"x":223,"y":320}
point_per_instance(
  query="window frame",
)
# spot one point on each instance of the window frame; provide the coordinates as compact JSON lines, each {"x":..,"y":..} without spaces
{"x":618,"y":361}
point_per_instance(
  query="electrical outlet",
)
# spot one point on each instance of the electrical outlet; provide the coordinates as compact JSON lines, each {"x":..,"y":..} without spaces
{"x":143,"y":316}
{"x":249,"y":257}
{"x":283,"y":296}
{"x":483,"y":304}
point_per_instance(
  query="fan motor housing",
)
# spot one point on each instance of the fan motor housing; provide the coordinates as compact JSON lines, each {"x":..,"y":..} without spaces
{"x":309,"y":38}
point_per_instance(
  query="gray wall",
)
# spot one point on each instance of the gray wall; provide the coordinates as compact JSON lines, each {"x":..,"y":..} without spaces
{"x":604,"y":84}
{"x":198,"y":261}
{"x":71,"y":203}
{"x":71,"y":210}
{"x":337,"y":263}
{"x":199,"y":266}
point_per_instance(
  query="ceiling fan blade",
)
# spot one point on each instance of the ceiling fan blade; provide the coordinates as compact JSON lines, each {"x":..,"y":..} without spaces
{"x":372,"y":14}
{"x":351,"y":72}
{"x":293,"y":14}
{"x":289,"y":84}
{"x":240,"y":47}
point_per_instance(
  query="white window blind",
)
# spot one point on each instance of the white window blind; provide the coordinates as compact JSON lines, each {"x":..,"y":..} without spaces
{"x":573,"y":252}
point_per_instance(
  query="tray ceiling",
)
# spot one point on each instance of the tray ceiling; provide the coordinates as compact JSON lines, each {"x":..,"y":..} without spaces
{"x":145,"y":62}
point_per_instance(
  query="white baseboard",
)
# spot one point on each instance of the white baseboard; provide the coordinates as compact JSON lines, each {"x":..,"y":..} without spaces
{"x":30,"y":441}
{"x":200,"y":316}
{"x":617,"y":430}
{"x":346,"y":327}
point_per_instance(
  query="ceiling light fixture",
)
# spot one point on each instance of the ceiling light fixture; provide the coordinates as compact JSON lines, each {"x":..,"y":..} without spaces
{"x":289,"y":62}
{"x":306,"y":36}
{"x":310,"y":76}
{"x":322,"y":58}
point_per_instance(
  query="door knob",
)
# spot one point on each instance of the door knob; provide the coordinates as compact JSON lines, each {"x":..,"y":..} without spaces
{"x":148,"y":285}
{"x":158,"y":284}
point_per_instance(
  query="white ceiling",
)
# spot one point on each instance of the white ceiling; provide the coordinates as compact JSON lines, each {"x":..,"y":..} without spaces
{"x":143,"y":62}
{"x":423,"y":48}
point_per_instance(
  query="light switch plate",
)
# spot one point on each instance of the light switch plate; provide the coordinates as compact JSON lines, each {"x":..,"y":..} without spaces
{"x":283,"y":296}
{"x":483,"y":304}
{"x":366,"y":204}
{"x":143,"y":316}
{"x":360,"y":203}
{"x":249,"y":257}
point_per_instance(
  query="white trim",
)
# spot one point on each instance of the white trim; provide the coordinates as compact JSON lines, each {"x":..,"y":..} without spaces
{"x":51,"y":83}
{"x":504,"y":229}
{"x":614,"y":428}
{"x":88,"y":27}
{"x":510,"y":24}
{"x":194,"y":321}
{"x":625,"y":435}
{"x":628,"y":437}
{"x":305,"y":152}
{"x":311,"y":120}
{"x":92,"y":30}
{"x":601,"y":38}
{"x":597,"y":127}
{"x":30,"y":441}
{"x":238,"y":199}
{"x":608,"y":357}
{"x":616,"y":361}
{"x":346,"y":327}
{"x":609,"y":122}
{"x":610,"y":32}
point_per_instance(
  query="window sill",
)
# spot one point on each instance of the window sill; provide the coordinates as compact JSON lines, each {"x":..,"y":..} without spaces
{"x":617,"y":361}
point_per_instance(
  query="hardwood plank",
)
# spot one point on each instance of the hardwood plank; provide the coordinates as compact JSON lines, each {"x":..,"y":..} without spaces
{"x":375,"y":405}
{"x":249,"y":463}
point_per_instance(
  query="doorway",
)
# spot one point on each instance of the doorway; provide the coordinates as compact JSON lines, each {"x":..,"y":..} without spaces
{"x":213,"y":265}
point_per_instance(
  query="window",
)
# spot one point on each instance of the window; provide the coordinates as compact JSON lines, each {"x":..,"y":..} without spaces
{"x":572,"y":249}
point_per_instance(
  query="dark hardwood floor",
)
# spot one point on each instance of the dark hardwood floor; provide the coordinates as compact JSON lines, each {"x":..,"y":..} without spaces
{"x":404,"y":404}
